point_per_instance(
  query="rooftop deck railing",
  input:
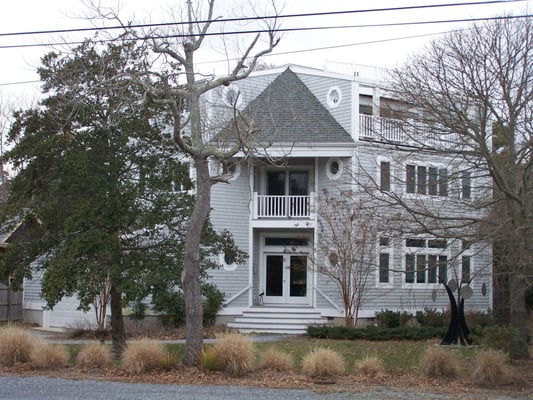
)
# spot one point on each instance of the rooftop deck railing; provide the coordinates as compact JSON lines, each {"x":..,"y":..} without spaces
{"x":398,"y":131}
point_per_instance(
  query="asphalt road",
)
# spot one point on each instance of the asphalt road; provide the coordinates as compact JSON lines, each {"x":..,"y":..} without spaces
{"x":41,"y":388}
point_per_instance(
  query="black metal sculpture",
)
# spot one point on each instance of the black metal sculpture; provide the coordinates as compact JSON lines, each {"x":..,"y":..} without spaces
{"x":457,"y":330}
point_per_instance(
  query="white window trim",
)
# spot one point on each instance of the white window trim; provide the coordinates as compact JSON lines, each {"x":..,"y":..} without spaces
{"x":426,"y":251}
{"x":379,"y":160}
{"x":390,"y":251}
{"x":226,"y":90}
{"x":330,"y":101}
{"x":339,"y":173}
{"x":427,"y":165}
{"x":468,"y":253}
{"x":227,"y":267}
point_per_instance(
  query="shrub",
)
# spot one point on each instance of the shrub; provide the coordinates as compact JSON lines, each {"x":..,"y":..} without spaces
{"x":208,"y":359}
{"x":322,"y":363}
{"x":234,"y":353}
{"x":15,"y":345}
{"x":392,"y":319}
{"x":212,"y":304}
{"x":143,"y":355}
{"x":431,"y":317}
{"x":504,"y":338}
{"x":276,"y":360}
{"x":439,"y":363}
{"x":375,"y":333}
{"x":48,"y":356}
{"x":171,"y":305}
{"x":94,"y":355}
{"x":491,"y":368}
{"x":169,"y":361}
{"x":370,"y":365}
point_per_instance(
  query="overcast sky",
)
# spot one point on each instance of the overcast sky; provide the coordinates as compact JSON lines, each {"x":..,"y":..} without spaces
{"x":19,"y":64}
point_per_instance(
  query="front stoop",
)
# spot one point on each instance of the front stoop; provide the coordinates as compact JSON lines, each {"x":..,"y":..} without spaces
{"x":277,"y":320}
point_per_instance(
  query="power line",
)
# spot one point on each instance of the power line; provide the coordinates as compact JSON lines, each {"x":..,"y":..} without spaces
{"x":257,"y":31}
{"x":240,"y":19}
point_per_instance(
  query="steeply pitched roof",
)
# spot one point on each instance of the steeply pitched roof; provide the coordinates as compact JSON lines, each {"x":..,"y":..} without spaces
{"x":288,"y":112}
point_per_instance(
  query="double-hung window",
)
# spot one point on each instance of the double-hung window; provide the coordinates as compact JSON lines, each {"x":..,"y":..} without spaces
{"x":426,"y":261}
{"x":426,"y":180}
{"x":384,"y":262}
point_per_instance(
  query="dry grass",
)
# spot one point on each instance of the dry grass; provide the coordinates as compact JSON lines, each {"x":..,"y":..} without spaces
{"x":15,"y":345}
{"x":370,"y":365}
{"x":491,"y":368}
{"x":143,"y":355}
{"x":323,"y":363}
{"x":234,"y":354}
{"x":276,"y":360}
{"x":439,"y":363}
{"x":46,"y":355}
{"x":94,"y":355}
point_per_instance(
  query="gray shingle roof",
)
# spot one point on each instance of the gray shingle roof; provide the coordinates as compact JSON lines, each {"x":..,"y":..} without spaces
{"x":288,"y":112}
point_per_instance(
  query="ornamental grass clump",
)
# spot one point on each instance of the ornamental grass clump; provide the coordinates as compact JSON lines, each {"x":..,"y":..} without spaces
{"x":46,"y":355}
{"x":276,"y":360}
{"x":370,"y":365}
{"x":15,"y":345}
{"x":439,"y":363}
{"x":208,"y":359}
{"x":492,"y":368}
{"x":322,"y":363}
{"x":94,"y":355}
{"x":143,"y":355}
{"x":234,"y":354}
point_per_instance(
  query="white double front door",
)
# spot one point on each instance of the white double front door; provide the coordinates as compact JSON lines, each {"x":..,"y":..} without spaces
{"x":286,"y":278}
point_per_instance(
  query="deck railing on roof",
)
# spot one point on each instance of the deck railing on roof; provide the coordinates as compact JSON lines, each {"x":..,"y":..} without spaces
{"x":394,"y":130}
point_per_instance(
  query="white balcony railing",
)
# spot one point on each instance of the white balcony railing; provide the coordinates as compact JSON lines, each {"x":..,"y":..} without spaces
{"x":266,"y":206}
{"x":395,"y":130}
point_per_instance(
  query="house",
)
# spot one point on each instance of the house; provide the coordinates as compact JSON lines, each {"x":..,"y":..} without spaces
{"x":313,"y":131}
{"x":323,"y":129}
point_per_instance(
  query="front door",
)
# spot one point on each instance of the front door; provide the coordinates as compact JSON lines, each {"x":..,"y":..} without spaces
{"x":286,"y":278}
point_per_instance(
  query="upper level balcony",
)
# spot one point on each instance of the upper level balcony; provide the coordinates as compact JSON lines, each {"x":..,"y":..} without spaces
{"x":397,"y":131}
{"x":283,"y":210}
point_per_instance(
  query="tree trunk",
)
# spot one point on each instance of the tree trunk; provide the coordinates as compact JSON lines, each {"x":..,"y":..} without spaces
{"x":518,"y":316}
{"x":191,"y":265}
{"x":118,"y":332}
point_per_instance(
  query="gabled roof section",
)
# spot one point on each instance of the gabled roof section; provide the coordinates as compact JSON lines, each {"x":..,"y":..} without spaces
{"x":288,"y":112}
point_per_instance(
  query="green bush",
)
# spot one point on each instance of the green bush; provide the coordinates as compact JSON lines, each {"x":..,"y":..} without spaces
{"x":506,"y":339}
{"x":375,"y":333}
{"x":392,"y":319}
{"x":213,"y":303}
{"x":171,"y":305}
{"x":432,"y":317}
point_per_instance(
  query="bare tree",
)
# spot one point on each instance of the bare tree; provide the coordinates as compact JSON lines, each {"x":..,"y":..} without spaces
{"x":349,"y":236}
{"x":470,"y":96}
{"x":170,"y":77}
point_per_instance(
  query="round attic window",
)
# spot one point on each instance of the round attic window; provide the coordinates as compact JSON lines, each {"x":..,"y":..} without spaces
{"x":232,"y":95}
{"x":334,"y":97}
{"x":334,"y":168}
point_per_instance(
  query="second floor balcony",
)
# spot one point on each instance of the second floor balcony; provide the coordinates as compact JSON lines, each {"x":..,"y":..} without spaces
{"x":279,"y":208}
{"x":397,"y":131}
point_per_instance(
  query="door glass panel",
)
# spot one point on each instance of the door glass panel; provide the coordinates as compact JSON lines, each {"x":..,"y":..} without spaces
{"x":276,"y":183}
{"x":298,"y":276}
{"x":298,"y":183}
{"x":274,"y":276}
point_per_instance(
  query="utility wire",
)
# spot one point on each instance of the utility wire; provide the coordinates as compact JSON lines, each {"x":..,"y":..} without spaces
{"x":240,"y":19}
{"x":258,"y":31}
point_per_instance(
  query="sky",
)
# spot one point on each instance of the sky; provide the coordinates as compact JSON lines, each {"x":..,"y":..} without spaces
{"x":377,"y":46}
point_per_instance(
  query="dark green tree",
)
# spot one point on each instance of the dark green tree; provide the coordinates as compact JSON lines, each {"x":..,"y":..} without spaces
{"x":104,"y":183}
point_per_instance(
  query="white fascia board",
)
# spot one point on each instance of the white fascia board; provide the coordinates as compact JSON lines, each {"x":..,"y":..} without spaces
{"x":311,"y":150}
